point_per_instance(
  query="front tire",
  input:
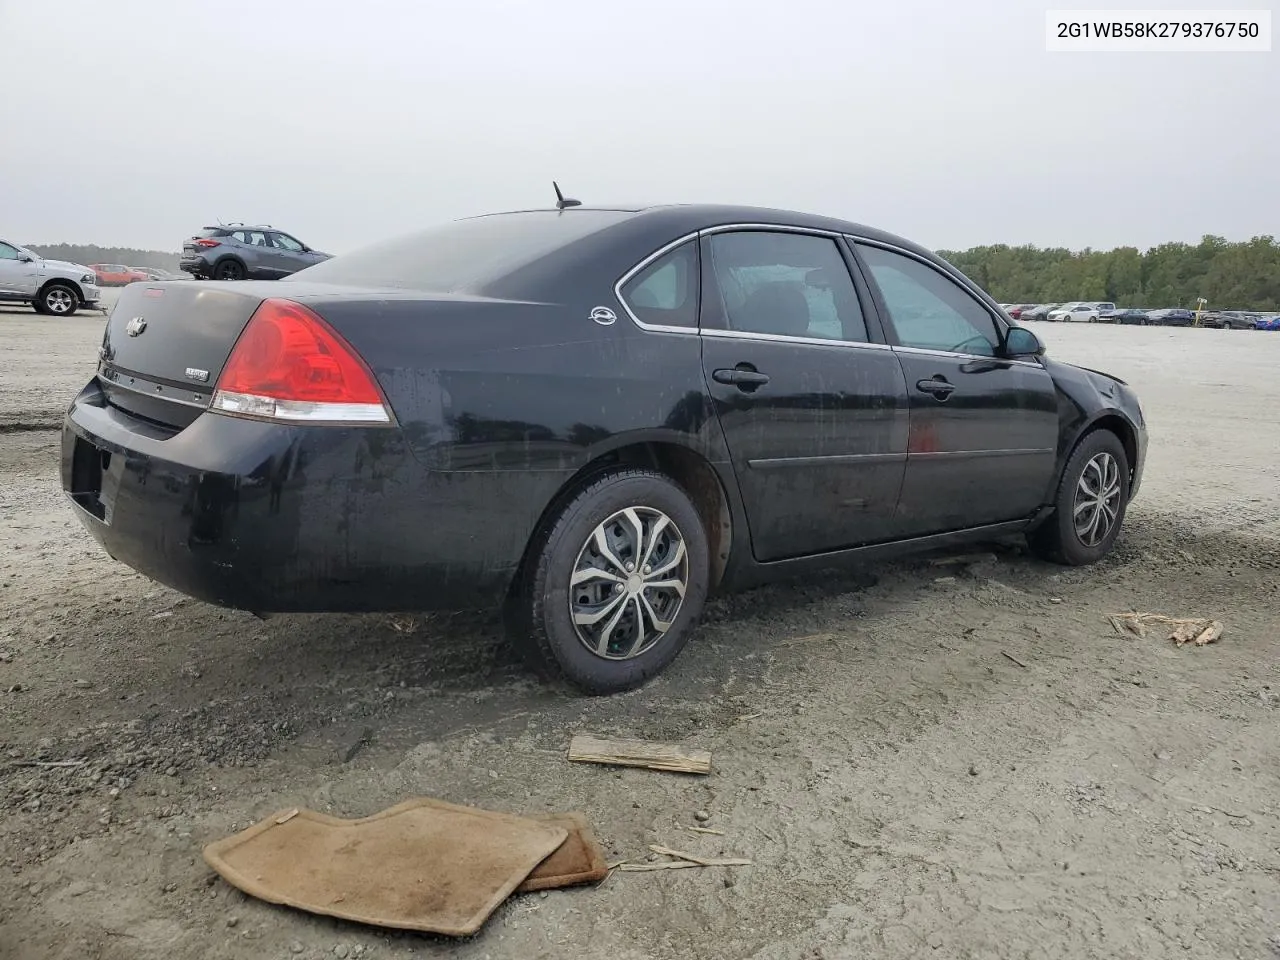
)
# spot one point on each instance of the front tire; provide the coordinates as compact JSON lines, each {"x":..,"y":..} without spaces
{"x":1090,"y":504}
{"x":615,"y":583}
{"x":58,"y":300}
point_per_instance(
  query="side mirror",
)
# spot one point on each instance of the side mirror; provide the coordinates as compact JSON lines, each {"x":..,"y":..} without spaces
{"x":26,"y":258}
{"x":1022,"y":342}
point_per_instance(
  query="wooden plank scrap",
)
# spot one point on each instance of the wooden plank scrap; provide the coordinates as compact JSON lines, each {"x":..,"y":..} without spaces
{"x":639,"y":753}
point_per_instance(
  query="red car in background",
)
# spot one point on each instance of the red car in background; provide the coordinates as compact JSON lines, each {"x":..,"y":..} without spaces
{"x":117,"y":274}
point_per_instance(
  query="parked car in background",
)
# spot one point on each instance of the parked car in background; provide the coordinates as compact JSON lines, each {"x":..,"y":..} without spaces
{"x":1015,"y":309}
{"x":117,"y":274}
{"x":1133,"y":316}
{"x":237,"y":252}
{"x":1040,"y":312}
{"x":1230,"y":319}
{"x":1077,"y":312}
{"x":1267,"y":323}
{"x":436,"y":421}
{"x":1175,"y":317}
{"x":53,"y":287}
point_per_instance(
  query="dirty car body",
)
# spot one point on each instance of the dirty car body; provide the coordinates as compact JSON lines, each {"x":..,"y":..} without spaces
{"x":593,"y":416}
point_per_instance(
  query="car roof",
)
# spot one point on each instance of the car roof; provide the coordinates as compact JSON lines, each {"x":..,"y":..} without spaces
{"x":684,"y":218}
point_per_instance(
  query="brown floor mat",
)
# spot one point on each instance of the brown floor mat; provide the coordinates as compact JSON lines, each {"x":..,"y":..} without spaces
{"x":577,"y":861}
{"x":421,"y":865}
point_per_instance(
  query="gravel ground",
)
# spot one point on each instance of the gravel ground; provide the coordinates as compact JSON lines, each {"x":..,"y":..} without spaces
{"x":954,"y":760}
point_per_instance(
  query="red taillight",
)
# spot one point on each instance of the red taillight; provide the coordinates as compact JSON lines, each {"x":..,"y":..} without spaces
{"x":207,"y":242}
{"x":290,"y":365}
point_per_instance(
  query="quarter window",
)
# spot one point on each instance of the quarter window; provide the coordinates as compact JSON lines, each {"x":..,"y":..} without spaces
{"x":786,"y":284}
{"x":927,"y":310}
{"x":665,"y":293}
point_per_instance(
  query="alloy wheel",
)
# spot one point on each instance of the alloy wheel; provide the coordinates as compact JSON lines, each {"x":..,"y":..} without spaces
{"x":59,"y":301}
{"x":1097,"y":501}
{"x":628,"y":583}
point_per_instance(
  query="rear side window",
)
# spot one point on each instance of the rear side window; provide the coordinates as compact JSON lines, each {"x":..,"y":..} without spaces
{"x":787,"y":284}
{"x":665,"y":293}
{"x":462,"y":255}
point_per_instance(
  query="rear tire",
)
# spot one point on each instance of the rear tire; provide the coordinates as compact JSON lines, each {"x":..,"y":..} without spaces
{"x":228,"y":269}
{"x":1090,"y":504}
{"x":58,"y":300}
{"x":586,"y":617}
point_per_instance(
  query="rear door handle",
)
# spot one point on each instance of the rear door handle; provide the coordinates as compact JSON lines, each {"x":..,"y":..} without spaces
{"x":742,"y":376}
{"x":938,"y":386}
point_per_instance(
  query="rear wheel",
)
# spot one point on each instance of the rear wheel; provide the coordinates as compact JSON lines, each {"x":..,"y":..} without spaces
{"x":1090,"y":504}
{"x":228,"y":270}
{"x":58,"y":300}
{"x":616,"y":583}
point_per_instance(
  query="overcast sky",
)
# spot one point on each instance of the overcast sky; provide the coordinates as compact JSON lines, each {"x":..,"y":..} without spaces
{"x":135,"y":122}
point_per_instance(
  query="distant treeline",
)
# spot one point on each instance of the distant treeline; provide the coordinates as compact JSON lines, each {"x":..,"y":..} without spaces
{"x":1231,"y":276}
{"x":87,"y":253}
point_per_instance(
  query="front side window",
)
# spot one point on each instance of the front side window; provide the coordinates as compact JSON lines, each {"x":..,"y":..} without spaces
{"x":665,"y":293}
{"x":928,"y":310}
{"x":286,"y":242}
{"x":8,"y":252}
{"x":786,"y":284}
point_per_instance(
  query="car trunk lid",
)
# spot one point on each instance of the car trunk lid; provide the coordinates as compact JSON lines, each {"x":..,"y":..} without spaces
{"x":167,"y":342}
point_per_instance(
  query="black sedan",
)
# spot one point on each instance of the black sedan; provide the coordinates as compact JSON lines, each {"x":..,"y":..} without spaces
{"x":1171,"y":317}
{"x":1130,"y":315}
{"x":594,"y":417}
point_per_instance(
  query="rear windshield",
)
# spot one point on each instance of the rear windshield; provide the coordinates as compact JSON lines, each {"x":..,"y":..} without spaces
{"x":462,"y":255}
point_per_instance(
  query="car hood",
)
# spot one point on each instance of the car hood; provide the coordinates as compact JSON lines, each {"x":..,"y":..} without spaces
{"x":65,"y":265}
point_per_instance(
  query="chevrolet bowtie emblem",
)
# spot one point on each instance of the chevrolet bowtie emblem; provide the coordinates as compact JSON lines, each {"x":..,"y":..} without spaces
{"x":135,"y":326}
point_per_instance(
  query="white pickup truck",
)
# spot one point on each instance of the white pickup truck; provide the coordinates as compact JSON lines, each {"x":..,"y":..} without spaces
{"x":52,"y":287}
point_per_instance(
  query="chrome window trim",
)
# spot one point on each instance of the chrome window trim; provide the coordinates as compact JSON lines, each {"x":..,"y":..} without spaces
{"x":834,"y":235}
{"x":925,"y":352}
{"x":968,"y":286}
{"x":783,"y":338}
{"x":638,"y":268}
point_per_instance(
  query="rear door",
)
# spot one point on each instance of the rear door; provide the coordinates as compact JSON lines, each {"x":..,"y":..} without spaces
{"x":811,"y":399}
{"x":984,"y":429}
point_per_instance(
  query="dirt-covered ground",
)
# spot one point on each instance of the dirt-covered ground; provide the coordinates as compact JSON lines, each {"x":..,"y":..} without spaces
{"x":921,"y":760}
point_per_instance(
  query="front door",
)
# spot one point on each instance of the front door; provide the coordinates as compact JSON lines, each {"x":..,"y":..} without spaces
{"x":17,"y":277}
{"x":984,"y":429}
{"x":290,"y":257}
{"x":812,"y":402}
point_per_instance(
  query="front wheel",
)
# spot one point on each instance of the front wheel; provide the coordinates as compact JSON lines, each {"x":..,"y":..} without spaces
{"x":616,"y":583}
{"x":57,"y":300}
{"x":1090,"y":504}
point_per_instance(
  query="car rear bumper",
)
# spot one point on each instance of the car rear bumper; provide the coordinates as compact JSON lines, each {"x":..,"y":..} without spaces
{"x":276,"y":518}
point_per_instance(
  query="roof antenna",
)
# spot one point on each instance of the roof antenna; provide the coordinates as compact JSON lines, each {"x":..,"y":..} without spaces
{"x":562,"y":201}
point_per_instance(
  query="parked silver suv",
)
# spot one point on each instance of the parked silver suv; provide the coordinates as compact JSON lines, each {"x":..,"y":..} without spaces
{"x":53,"y":287}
